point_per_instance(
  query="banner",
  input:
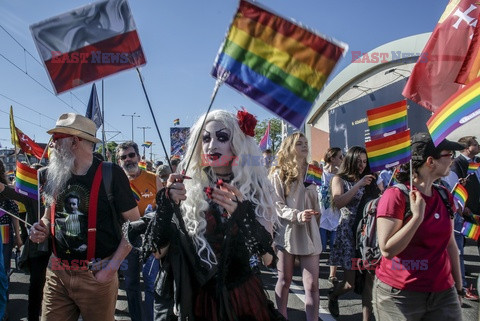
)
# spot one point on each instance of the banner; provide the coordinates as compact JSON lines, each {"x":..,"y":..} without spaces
{"x":178,"y":140}
{"x":432,"y":80}
{"x":88,"y":43}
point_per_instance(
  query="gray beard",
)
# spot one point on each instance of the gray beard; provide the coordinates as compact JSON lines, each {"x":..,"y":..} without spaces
{"x":59,"y":170}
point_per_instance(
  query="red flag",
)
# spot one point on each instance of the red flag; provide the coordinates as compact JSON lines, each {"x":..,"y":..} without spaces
{"x":88,"y":43}
{"x":471,"y":66}
{"x":28,"y":145}
{"x":432,"y":80}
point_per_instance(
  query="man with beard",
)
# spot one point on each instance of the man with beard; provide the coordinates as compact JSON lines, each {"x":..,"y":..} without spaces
{"x":82,"y":283}
{"x":145,"y":184}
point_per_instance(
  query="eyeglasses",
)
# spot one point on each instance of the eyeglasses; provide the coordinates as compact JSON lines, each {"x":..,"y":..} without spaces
{"x":129,"y":155}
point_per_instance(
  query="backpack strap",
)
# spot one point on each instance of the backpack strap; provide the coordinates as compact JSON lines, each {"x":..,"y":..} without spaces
{"x":404,"y":189}
{"x":445,"y":199}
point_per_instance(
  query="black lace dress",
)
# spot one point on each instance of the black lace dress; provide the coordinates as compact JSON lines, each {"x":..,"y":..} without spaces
{"x":228,"y":291}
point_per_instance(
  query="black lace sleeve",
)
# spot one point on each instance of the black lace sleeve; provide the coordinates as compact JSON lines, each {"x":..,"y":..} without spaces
{"x":159,"y":229}
{"x":257,"y":238}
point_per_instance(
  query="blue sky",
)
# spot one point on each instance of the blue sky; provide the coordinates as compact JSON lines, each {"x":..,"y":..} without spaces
{"x":180,"y":40}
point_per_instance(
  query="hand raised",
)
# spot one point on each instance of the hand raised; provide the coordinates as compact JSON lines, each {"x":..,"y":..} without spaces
{"x":176,"y":188}
{"x":417,"y":205}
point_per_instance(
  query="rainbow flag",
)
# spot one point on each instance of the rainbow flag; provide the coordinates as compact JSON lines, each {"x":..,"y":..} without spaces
{"x":10,"y":174}
{"x":314,"y":175}
{"x":5,"y":231}
{"x":176,"y":122}
{"x":136,"y":193}
{"x":389,"y":151}
{"x":387,"y":120}
{"x":147,"y":144}
{"x":471,"y":230}
{"x":472,"y":168}
{"x":460,"y":194}
{"x":459,"y":109}
{"x":26,"y":181}
{"x":275,"y":62}
{"x":142,"y":165}
{"x":2,"y":212}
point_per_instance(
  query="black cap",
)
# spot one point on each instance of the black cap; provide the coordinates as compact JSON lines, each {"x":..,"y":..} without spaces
{"x":423,"y":147}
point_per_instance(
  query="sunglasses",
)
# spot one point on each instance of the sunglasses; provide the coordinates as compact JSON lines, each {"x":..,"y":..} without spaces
{"x":447,"y":155}
{"x":57,"y":136}
{"x":129,"y":155}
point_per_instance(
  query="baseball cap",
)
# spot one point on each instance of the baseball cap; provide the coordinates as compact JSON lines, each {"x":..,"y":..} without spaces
{"x":423,"y":147}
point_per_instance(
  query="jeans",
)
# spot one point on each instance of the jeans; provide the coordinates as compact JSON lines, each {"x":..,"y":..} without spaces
{"x":327,"y":237}
{"x":3,"y":285}
{"x":460,"y":240}
{"x":132,"y":286}
{"x":38,"y":268}
{"x":150,"y":272}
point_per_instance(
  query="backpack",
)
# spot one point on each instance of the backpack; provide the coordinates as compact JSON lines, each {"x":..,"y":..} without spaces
{"x":368,"y":250}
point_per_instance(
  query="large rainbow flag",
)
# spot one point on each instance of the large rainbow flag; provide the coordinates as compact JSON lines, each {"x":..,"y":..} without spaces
{"x":389,"y":151}
{"x":459,"y":109}
{"x":275,"y":62}
{"x":26,"y":181}
{"x":314,"y":175}
{"x":387,"y":120}
{"x":460,"y":194}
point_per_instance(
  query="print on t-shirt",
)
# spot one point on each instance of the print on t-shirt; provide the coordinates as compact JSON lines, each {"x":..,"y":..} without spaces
{"x":71,"y":220}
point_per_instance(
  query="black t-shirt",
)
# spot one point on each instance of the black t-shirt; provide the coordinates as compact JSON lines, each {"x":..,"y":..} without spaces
{"x":71,"y":214}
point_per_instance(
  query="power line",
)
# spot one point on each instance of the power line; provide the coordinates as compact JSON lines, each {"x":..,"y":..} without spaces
{"x":29,"y":108}
{"x":41,"y":64}
{"x":4,"y":112}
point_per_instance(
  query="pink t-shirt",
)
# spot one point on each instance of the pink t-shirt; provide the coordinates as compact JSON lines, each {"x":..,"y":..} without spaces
{"x":424,"y":265}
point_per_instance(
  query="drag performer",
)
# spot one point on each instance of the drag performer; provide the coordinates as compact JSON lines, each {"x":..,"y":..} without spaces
{"x":206,"y":228}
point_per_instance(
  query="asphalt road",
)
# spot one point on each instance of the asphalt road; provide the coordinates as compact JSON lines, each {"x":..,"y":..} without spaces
{"x":350,"y":304}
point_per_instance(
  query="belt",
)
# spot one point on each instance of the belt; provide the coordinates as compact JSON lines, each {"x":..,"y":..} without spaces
{"x":78,"y":265}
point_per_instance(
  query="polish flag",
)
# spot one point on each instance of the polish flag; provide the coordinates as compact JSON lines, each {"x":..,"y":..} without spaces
{"x":88,"y":43}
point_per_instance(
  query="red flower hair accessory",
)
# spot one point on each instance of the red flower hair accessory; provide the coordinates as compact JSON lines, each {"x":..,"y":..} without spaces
{"x":247,"y":122}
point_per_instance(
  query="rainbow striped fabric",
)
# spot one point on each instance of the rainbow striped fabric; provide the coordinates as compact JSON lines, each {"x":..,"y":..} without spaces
{"x":5,"y":231}
{"x":147,"y":144}
{"x":136,"y":192}
{"x":176,"y":121}
{"x":459,"y":109}
{"x":142,"y":165}
{"x":389,"y":151}
{"x":460,"y":194}
{"x":314,"y":175}
{"x":387,"y":120}
{"x":26,"y":181}
{"x":275,"y":62}
{"x":472,"y":168}
{"x":471,"y":230}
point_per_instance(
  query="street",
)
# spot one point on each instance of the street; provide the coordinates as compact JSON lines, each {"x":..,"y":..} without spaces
{"x":350,"y":304}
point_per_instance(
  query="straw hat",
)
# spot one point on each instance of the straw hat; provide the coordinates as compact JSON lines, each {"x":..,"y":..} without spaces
{"x":76,"y":125}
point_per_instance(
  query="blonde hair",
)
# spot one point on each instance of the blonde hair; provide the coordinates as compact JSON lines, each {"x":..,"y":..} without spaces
{"x":287,"y":163}
{"x":252,"y":181}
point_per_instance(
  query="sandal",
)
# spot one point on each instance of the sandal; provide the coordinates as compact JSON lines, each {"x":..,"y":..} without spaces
{"x":333,"y":280}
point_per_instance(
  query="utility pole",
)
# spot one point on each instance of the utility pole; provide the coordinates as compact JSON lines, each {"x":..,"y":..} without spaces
{"x":144,"y":127}
{"x":133,"y":115}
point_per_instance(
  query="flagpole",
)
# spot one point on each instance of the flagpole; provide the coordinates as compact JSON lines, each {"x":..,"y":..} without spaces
{"x":411,"y":176}
{"x":18,"y":218}
{"x":153,"y":117}
{"x":103,"y":126}
{"x":220,"y":80}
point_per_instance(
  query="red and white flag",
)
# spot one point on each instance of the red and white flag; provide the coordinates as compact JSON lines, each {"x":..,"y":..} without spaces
{"x":88,"y":43}
{"x":432,"y":80}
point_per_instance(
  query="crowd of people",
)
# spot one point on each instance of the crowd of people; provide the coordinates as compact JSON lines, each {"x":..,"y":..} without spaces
{"x":191,"y":229}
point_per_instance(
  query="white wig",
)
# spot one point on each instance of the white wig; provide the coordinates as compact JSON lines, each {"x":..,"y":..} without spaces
{"x":250,"y":177}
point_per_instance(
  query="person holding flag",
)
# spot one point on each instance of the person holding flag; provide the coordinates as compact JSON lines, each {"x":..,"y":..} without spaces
{"x":419,"y":275}
{"x":298,"y":233}
{"x":208,"y":225}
